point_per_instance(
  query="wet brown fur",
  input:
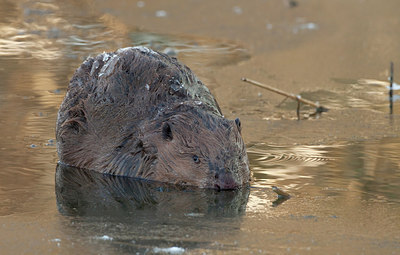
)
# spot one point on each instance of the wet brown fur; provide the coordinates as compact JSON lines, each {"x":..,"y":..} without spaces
{"x":139,"y":113}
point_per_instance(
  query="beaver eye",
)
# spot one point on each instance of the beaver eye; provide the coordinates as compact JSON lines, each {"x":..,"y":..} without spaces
{"x":238,"y":124}
{"x":196,"y":159}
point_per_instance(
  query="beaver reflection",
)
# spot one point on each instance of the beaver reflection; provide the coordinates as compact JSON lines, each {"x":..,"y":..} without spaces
{"x":86,"y":193}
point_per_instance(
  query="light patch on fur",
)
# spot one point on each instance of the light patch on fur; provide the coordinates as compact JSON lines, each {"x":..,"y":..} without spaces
{"x":109,"y":66}
{"x":145,"y":50}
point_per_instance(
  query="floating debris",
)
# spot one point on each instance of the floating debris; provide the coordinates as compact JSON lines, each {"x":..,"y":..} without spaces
{"x":171,"y":250}
{"x":194,"y":214}
{"x":305,"y":26}
{"x":105,"y":237}
{"x":282,"y":196}
{"x":281,"y":193}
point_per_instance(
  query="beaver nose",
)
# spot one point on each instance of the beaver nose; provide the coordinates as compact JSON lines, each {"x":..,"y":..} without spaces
{"x":225,"y":180}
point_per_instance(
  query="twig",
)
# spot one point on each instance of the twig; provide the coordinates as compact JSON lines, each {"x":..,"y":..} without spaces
{"x":391,"y":88}
{"x":298,"y":110}
{"x":284,"y":100}
{"x":297,"y":98}
{"x":281,"y":193}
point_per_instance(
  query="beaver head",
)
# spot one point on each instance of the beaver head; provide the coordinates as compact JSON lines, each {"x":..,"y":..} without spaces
{"x":139,"y":113}
{"x":196,"y":148}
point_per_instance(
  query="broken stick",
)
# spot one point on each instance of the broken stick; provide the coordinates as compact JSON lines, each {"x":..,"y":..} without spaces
{"x":319,"y":108}
{"x":391,"y":88}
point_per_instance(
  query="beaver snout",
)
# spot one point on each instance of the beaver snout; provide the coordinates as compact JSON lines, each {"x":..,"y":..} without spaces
{"x":225,"y":180}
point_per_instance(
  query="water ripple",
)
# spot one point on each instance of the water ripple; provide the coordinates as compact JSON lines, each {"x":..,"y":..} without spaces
{"x":272,"y":154}
{"x":271,"y":164}
{"x":42,"y":31}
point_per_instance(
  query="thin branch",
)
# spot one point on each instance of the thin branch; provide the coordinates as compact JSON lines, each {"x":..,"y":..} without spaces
{"x":391,"y":88}
{"x":284,"y":100}
{"x":297,"y":98}
{"x":298,"y":110}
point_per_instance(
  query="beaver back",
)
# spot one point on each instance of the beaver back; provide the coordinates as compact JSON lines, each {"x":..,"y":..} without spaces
{"x":123,"y":110}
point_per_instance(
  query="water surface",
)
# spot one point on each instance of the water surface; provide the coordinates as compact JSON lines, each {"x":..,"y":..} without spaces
{"x":342,"y":169}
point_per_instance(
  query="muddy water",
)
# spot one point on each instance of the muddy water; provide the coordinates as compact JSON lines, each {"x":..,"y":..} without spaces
{"x":341,"y":169}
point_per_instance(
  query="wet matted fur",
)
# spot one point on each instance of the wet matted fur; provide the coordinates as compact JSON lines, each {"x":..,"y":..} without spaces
{"x":139,"y":113}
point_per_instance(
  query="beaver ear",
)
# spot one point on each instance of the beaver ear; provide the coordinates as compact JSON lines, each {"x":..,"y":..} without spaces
{"x":238,"y":124}
{"x":166,"y":132}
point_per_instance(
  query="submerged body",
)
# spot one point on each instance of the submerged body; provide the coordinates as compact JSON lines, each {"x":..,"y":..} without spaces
{"x":140,"y":113}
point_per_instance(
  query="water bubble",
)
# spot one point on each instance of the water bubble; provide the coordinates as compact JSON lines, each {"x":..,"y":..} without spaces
{"x":33,"y":146}
{"x":147,"y":87}
{"x":161,"y":14}
{"x":237,"y":10}
{"x":310,"y":26}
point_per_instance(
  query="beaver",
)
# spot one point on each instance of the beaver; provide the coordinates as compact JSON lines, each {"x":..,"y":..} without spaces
{"x":139,"y":113}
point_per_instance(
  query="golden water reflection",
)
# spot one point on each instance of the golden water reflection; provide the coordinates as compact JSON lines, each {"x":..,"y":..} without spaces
{"x":367,"y":170}
{"x":344,"y":190}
